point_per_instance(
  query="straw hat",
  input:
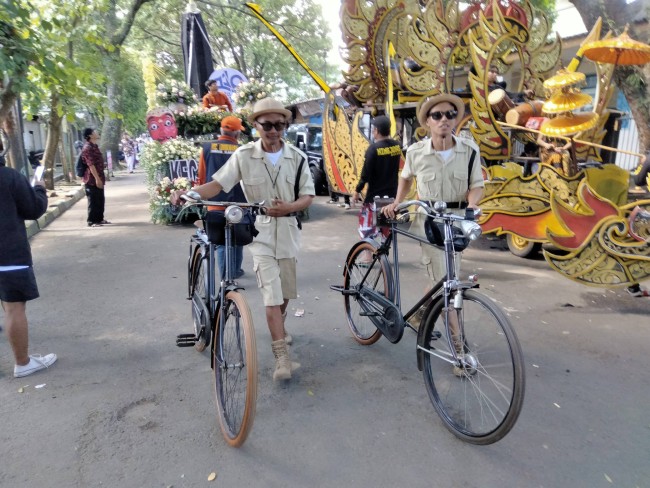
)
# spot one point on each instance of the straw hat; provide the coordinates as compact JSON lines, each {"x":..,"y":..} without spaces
{"x":428,"y":103}
{"x":268,"y":106}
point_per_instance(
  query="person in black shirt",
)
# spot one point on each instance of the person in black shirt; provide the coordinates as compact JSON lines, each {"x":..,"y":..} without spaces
{"x":19,"y":202}
{"x":380,"y":170}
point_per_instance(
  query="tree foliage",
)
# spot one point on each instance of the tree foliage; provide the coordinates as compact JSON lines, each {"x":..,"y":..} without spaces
{"x":240,"y":41}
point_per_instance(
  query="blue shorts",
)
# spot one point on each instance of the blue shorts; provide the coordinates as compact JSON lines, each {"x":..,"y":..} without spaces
{"x":18,"y":285}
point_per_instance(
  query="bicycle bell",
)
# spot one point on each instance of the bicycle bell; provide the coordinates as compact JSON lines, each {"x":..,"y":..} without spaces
{"x":440,"y":207}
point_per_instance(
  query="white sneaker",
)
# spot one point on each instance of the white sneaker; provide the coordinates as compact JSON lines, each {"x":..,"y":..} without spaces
{"x":36,"y":363}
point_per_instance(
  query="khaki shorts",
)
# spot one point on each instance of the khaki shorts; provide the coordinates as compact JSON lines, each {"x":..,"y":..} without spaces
{"x":276,"y":279}
{"x":433,"y":259}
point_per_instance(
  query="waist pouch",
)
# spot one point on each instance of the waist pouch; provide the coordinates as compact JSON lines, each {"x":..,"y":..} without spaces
{"x":243,"y":233}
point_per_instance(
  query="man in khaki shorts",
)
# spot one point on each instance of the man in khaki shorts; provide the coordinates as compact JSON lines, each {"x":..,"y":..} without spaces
{"x":441,"y":166}
{"x":268,"y":170}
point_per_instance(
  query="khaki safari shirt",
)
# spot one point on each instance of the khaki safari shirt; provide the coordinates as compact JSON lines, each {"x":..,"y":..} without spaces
{"x":440,"y":180}
{"x":278,"y":236}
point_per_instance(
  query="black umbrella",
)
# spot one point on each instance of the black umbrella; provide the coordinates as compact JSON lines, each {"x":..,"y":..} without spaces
{"x":197,"y":56}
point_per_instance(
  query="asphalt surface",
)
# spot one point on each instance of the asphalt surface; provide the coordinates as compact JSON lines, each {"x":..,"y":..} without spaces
{"x":124,"y":407}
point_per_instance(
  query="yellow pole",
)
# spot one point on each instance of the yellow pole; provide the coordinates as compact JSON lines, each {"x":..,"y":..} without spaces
{"x":257,"y":11}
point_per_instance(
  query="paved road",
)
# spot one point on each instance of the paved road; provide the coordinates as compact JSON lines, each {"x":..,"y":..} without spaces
{"x":124,"y":407}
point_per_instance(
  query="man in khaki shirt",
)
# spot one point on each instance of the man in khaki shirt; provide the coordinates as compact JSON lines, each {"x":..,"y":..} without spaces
{"x":441,"y":168}
{"x":267,"y":170}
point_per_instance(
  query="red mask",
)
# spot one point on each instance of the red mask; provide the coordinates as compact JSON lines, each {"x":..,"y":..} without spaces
{"x":162,"y":127}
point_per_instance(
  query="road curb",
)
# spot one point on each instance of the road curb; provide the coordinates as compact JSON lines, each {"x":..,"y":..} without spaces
{"x":65,"y":199}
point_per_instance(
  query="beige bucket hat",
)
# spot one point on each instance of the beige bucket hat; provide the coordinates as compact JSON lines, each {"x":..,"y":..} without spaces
{"x":268,"y":106}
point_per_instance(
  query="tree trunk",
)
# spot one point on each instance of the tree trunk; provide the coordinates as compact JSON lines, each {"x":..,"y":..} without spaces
{"x":616,"y":14}
{"x":16,"y":156}
{"x":112,"y":127}
{"x":52,"y":143}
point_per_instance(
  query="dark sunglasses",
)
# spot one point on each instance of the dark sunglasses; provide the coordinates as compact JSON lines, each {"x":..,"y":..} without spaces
{"x":279,"y":126}
{"x":449,"y":115}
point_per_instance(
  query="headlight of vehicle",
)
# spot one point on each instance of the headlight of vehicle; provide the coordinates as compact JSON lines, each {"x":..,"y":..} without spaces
{"x":470,"y":229}
{"x":234,"y":214}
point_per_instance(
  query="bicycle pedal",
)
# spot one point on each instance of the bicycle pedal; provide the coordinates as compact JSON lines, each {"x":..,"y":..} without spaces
{"x":185,"y":340}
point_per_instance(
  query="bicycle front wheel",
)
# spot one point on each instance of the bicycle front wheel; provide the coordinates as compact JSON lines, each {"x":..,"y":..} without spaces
{"x":362,"y":264}
{"x":235,"y":369}
{"x":478,"y":397}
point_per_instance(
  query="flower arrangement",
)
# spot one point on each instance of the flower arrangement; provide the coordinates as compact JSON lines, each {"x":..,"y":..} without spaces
{"x":156,"y":156}
{"x":175,"y":92}
{"x":251,"y":91}
{"x":198,"y":120}
{"x":162,"y":211}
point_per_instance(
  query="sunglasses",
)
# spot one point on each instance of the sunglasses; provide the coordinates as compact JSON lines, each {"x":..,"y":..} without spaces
{"x":267,"y":126}
{"x":449,"y":115}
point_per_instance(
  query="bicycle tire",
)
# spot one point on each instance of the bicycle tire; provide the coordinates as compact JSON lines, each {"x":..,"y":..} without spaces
{"x":480,"y":401}
{"x":198,"y":290}
{"x":363,"y":329}
{"x":235,"y":378}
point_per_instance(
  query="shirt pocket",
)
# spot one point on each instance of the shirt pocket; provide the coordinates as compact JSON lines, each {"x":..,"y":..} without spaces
{"x":291,"y":185}
{"x":429,"y":187}
{"x":459,"y":180}
{"x":254,"y":188}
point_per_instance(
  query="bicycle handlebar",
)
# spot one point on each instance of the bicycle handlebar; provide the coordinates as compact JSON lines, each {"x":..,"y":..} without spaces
{"x":190,"y":199}
{"x":437,"y":211}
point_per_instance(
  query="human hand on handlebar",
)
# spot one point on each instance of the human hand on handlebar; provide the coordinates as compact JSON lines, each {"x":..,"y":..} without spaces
{"x":175,"y":197}
{"x":389,"y":210}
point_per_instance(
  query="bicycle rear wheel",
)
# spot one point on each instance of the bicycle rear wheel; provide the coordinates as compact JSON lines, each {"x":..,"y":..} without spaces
{"x":235,"y":369}
{"x":478,"y":399}
{"x":360,"y":263}
{"x":199,"y":294}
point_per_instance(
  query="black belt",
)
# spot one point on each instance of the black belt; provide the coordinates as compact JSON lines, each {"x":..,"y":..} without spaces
{"x":459,"y":205}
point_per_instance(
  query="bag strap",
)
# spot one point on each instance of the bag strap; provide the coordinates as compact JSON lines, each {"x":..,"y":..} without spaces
{"x":471,"y":166}
{"x":296,"y":187}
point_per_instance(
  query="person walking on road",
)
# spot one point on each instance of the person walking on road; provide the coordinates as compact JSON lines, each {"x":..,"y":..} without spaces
{"x":269,"y":170}
{"x":128,"y":146}
{"x":447,"y":168}
{"x":94,"y":178}
{"x":379,"y":173}
{"x":19,"y":202}
{"x":213,"y":156}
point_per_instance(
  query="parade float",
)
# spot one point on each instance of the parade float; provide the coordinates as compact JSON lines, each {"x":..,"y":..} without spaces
{"x":178,"y":125}
{"x":400,"y":52}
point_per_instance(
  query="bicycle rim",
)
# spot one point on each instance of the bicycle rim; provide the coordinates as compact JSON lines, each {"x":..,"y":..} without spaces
{"x":360,"y":262}
{"x":199,"y":296}
{"x":480,"y":398}
{"x":235,"y":370}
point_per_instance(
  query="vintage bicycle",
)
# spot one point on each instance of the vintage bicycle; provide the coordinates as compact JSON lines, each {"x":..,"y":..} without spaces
{"x":466,"y":347}
{"x":221,"y":315}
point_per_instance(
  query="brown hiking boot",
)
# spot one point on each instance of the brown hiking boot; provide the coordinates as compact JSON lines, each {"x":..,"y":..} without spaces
{"x":416,"y":318}
{"x":283,"y":365}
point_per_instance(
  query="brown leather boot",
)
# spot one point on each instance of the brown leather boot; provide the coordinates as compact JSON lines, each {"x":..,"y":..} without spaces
{"x":283,"y":365}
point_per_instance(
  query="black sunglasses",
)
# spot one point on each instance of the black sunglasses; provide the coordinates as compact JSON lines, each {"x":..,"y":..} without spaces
{"x":449,"y":115}
{"x":279,"y":126}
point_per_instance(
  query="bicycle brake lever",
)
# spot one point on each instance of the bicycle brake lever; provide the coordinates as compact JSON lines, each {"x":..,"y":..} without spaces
{"x":191,"y":196}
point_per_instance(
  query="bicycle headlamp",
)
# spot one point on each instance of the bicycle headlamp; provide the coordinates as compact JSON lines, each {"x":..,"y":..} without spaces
{"x":234,"y":214}
{"x":470,"y":229}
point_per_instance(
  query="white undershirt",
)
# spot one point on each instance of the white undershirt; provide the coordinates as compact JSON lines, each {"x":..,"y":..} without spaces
{"x":446,"y":154}
{"x":274,"y":157}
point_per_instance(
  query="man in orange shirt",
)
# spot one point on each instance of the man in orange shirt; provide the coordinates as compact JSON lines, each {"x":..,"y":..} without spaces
{"x":215,"y":98}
